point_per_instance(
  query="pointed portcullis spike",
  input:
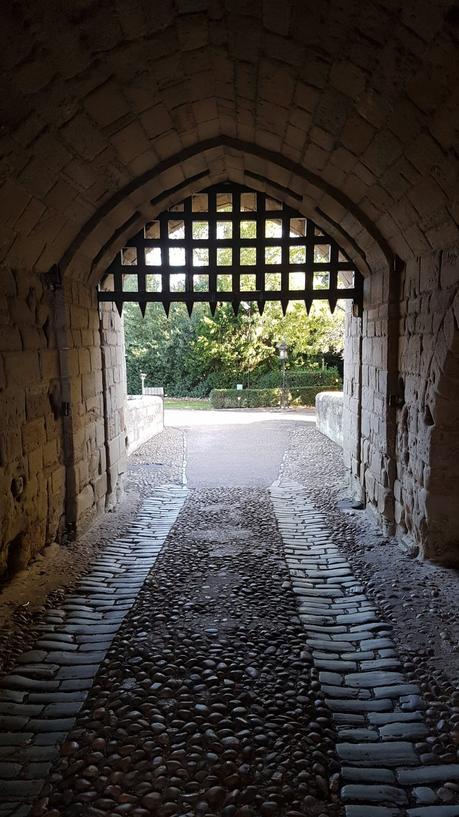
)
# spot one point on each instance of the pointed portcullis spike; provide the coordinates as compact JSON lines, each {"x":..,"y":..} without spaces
{"x":143,"y":306}
{"x":236,"y":305}
{"x":284,"y":304}
{"x":119,"y":306}
{"x":167,"y":306}
{"x":189,"y":307}
{"x":213,"y":307}
{"x":332,"y":303}
{"x":308,"y":303}
{"x":261,"y":305}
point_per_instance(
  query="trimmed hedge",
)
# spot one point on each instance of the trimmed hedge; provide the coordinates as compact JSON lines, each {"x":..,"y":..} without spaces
{"x":263,"y":398}
{"x":244,"y":398}
{"x":304,"y":396}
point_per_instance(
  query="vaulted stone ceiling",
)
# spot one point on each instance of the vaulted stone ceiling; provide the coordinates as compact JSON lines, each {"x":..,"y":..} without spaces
{"x":109,"y":109}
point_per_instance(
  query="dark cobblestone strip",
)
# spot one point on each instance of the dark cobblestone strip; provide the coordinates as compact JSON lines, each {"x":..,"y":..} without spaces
{"x":377,"y":713}
{"x":41,"y":697}
{"x":205,"y":706}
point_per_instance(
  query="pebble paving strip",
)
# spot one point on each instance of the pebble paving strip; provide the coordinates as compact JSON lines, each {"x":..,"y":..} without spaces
{"x":205,"y":704}
{"x":41,"y":697}
{"x":378,"y":715}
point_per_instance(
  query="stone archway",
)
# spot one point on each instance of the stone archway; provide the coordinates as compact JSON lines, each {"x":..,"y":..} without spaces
{"x":99,"y":436}
{"x":347,"y":115}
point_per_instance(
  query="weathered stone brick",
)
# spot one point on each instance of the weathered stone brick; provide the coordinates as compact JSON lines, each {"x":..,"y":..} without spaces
{"x":130,"y":142}
{"x":85,"y":501}
{"x":35,"y":460}
{"x":21,"y":367}
{"x":449,"y":271}
{"x":34,"y":435}
{"x":106,"y":104}
{"x":50,"y":453}
{"x":83,"y":137}
{"x":429,"y":273}
{"x":348,"y":78}
{"x":2,"y":373}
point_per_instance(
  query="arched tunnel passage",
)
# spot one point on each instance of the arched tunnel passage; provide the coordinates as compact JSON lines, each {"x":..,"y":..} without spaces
{"x":320,"y":270}
{"x":347,"y":114}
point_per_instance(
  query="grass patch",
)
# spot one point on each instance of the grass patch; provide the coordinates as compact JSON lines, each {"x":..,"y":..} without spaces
{"x":187,"y":403}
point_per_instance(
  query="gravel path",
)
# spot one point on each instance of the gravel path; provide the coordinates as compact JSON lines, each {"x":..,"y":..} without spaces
{"x":157,"y":462}
{"x":205,"y":704}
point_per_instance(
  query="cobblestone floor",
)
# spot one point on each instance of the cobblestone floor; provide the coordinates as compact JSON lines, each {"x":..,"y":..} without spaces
{"x":41,"y":697}
{"x":275,"y":656}
{"x":384,"y":743}
{"x":419,"y":599}
{"x":205,"y":704}
{"x":26,"y":597}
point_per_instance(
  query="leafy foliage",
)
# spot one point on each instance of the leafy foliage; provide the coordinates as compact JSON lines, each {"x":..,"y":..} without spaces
{"x":190,"y":357}
{"x":309,"y":378}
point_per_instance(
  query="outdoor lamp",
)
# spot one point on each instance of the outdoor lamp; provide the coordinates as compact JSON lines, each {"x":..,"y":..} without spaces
{"x":283,"y":350}
{"x":283,"y":355}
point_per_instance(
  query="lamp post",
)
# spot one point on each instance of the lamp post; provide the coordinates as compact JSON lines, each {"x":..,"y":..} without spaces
{"x":142,"y":377}
{"x":283,"y":355}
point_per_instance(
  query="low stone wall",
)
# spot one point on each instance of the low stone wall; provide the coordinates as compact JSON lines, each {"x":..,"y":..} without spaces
{"x":144,"y":419}
{"x":329,"y":411}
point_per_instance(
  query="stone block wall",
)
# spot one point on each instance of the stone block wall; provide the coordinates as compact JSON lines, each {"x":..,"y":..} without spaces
{"x":94,"y":384}
{"x":299,"y":104}
{"x":329,"y":415}
{"x":351,"y":411}
{"x":32,"y":472}
{"x":427,"y":479}
{"x":367,"y":421}
{"x":82,"y":382}
{"x":115,"y":396}
{"x":401,"y":403}
{"x":376,"y":452}
{"x":144,"y":419}
{"x":62,"y":409}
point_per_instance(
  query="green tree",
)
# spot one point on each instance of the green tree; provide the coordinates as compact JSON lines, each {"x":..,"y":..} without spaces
{"x":192,"y":356}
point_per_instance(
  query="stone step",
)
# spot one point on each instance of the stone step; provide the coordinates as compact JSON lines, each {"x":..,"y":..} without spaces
{"x":381,"y":794}
{"x":428,"y":774}
{"x":396,"y":753}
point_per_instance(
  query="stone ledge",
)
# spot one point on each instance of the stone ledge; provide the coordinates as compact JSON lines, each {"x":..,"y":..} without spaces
{"x":329,"y":411}
{"x":144,"y":419}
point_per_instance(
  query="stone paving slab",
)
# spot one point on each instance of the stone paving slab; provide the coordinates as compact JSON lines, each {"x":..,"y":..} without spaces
{"x":41,"y":697}
{"x":378,"y":714}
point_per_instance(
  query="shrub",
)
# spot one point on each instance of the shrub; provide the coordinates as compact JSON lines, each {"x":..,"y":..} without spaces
{"x":200,"y":390}
{"x":244,"y":398}
{"x":263,"y":398}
